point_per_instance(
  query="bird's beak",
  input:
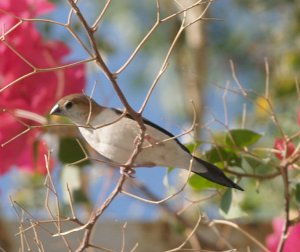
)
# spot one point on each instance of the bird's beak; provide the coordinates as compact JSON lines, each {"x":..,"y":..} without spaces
{"x":56,"y":110}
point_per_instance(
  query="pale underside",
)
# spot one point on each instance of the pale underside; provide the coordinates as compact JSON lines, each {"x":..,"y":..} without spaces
{"x":118,"y":141}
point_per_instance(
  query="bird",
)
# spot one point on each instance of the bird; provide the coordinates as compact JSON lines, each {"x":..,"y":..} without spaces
{"x":115,"y":134}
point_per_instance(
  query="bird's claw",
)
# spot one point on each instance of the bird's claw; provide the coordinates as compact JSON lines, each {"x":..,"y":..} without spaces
{"x":152,"y":141}
{"x":127,"y":171}
{"x":149,"y":139}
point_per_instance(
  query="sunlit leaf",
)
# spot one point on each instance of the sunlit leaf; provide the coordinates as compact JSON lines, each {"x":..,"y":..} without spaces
{"x":192,"y":146}
{"x":262,"y":107}
{"x":198,"y":183}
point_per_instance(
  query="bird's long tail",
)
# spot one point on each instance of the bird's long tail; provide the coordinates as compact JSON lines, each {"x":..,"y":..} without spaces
{"x":213,"y":173}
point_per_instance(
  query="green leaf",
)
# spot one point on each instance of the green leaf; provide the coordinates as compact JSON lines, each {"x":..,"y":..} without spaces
{"x":256,"y":165}
{"x":198,"y":183}
{"x":170,"y":169}
{"x":226,"y":201}
{"x":192,"y":146}
{"x":220,"y":154}
{"x":297,"y":192}
{"x":241,"y":138}
{"x":70,"y":152}
{"x":216,"y":154}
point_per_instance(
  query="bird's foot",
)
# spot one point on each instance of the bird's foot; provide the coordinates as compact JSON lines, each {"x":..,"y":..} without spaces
{"x":150,"y":140}
{"x":147,"y":138}
{"x":127,"y":171}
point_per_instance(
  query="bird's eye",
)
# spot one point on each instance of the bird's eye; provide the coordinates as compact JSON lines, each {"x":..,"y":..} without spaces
{"x":69,"y":105}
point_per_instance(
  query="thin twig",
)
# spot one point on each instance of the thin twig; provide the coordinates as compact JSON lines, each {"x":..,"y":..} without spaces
{"x":267,"y":85}
{"x":96,"y":215}
{"x":234,"y":76}
{"x":96,"y":23}
{"x":188,"y":237}
{"x":100,"y":61}
{"x":143,"y":41}
{"x":224,"y":98}
{"x":297,"y":88}
{"x":285,"y":229}
{"x":235,"y":226}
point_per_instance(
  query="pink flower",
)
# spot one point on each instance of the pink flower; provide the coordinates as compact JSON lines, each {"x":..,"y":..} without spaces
{"x":298,"y":117}
{"x":27,"y":8}
{"x":286,"y":149}
{"x":36,"y":93}
{"x":292,"y":243}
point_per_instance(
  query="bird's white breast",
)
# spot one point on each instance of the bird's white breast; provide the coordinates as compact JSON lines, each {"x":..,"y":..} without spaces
{"x":117,"y":142}
{"x":114,"y":141}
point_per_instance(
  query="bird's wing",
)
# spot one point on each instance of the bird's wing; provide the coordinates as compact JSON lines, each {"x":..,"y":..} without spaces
{"x":157,"y":127}
{"x":199,"y":166}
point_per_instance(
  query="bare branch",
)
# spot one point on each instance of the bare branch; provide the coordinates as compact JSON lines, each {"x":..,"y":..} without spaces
{"x":188,"y":237}
{"x":96,"y":23}
{"x":143,"y":41}
{"x":236,"y":78}
{"x":267,"y":88}
{"x":96,"y":215}
{"x":235,"y":226}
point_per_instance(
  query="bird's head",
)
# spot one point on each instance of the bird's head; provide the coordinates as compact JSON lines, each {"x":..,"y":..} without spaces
{"x":78,"y":108}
